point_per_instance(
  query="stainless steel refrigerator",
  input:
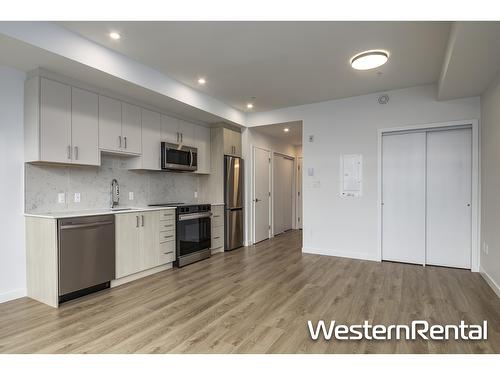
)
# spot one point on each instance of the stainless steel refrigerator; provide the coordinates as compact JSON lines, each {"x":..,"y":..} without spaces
{"x":233,"y":200}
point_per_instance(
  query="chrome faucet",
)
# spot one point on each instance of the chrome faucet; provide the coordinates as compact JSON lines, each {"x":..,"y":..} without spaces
{"x":115,"y":193}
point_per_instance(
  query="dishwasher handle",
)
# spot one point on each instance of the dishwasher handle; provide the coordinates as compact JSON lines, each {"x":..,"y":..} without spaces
{"x":88,"y":225}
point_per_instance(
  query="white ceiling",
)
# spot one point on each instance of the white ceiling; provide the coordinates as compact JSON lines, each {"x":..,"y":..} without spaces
{"x":293,"y":136}
{"x":472,"y":60}
{"x":280,"y":63}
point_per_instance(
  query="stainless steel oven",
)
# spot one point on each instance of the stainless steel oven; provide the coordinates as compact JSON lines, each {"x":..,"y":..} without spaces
{"x":178,"y":157}
{"x":193,"y":233}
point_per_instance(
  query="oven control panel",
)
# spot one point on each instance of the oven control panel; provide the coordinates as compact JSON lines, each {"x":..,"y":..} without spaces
{"x":193,"y":208}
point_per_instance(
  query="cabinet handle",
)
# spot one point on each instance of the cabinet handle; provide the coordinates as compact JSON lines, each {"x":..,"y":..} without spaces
{"x":137,"y":221}
{"x":177,"y":137}
{"x":142,"y":216}
{"x":182,"y":138}
{"x":169,"y":236}
{"x":69,"y":152}
{"x":120,"y":139}
{"x":216,"y":238}
{"x":125,"y":139}
{"x":76,"y":152}
{"x":168,"y":252}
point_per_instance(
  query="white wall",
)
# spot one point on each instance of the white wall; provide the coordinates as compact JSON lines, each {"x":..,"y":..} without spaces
{"x":253,"y":138}
{"x":348,"y":226}
{"x":490,"y":184}
{"x":12,"y":250}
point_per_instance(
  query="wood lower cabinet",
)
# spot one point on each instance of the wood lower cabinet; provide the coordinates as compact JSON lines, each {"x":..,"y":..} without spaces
{"x":217,"y":229}
{"x":140,"y":238}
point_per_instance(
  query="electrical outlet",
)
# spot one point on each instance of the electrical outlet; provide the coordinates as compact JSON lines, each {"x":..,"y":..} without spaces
{"x":130,"y":195}
{"x":61,"y":198}
{"x":196,"y":194}
{"x":77,"y":198}
{"x":310,"y":172}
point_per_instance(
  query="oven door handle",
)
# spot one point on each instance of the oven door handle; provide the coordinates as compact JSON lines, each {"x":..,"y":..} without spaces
{"x":194,"y":216}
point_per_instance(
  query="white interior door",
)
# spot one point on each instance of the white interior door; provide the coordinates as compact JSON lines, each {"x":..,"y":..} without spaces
{"x":299,"y":193}
{"x":287,"y":191}
{"x":282,"y":194}
{"x":261,"y":194}
{"x":449,"y":194}
{"x":403,"y":197}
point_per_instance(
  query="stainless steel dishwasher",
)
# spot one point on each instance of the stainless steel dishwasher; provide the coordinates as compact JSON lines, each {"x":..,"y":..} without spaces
{"x":86,"y":255}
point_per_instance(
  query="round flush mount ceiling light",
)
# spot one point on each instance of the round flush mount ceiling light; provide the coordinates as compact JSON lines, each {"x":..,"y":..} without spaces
{"x":114,"y":35}
{"x":249,"y":105}
{"x":286,"y":130}
{"x":369,"y":59}
{"x":202,"y":81}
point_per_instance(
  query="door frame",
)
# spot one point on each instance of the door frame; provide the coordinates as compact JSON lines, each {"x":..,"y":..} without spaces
{"x":253,"y":191}
{"x":476,"y":180}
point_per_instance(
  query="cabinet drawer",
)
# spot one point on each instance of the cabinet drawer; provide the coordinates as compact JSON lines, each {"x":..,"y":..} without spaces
{"x":217,"y":220}
{"x":217,"y":232}
{"x":167,"y":236}
{"x":217,"y":242}
{"x":167,"y":215}
{"x":167,"y":252}
{"x":167,"y":225}
{"x":217,"y":210}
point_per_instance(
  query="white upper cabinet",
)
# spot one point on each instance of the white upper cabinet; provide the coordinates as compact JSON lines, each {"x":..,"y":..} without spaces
{"x":202,"y":143}
{"x":151,"y":142}
{"x":84,"y":126}
{"x":110,"y":124}
{"x":61,"y":123}
{"x":131,"y":128}
{"x":232,"y":142}
{"x":170,"y":129}
{"x":119,"y":126}
{"x":55,"y":122}
{"x":187,"y":131}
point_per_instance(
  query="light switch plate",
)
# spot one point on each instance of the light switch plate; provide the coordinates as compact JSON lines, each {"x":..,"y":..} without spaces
{"x":130,"y":195}
{"x":310,"y":172}
{"x":61,"y":198}
{"x":196,"y":194}
{"x":77,"y":198}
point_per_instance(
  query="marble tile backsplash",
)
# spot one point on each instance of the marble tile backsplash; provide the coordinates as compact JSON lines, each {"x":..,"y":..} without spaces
{"x":43,"y":183}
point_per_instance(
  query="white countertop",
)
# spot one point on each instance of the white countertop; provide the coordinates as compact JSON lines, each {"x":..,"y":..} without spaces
{"x":68,"y":214}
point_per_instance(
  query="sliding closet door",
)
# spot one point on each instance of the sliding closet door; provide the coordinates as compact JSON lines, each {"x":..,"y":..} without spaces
{"x":403,"y":197}
{"x":449,"y":194}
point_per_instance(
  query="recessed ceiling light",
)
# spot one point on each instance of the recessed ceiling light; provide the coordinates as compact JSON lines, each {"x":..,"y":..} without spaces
{"x":202,"y":81}
{"x":114,"y":35}
{"x":249,"y":105}
{"x":286,"y":130}
{"x":369,"y":59}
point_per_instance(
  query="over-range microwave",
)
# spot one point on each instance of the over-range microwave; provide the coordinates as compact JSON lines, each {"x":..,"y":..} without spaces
{"x":178,"y":157}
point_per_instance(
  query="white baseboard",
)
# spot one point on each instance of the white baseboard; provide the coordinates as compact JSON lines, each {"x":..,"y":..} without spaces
{"x":493,"y":285}
{"x":12,"y":294}
{"x":342,"y":254}
{"x":140,"y":275}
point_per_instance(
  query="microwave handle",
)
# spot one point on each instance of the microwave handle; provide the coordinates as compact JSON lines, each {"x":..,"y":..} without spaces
{"x":190,"y":158}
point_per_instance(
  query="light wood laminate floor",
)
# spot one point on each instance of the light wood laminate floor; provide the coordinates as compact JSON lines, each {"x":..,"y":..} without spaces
{"x":257,"y":300}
